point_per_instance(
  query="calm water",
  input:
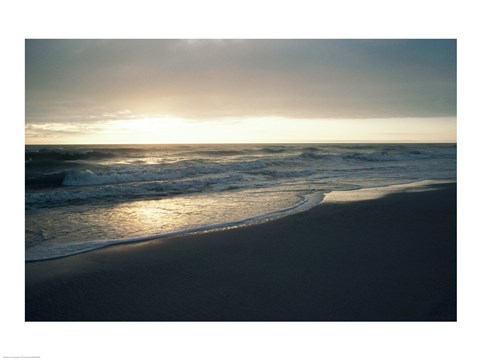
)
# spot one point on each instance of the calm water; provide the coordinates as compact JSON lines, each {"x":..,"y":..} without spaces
{"x":80,"y":198}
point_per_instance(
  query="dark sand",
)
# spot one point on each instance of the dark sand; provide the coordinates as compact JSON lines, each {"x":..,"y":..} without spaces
{"x":392,"y":258}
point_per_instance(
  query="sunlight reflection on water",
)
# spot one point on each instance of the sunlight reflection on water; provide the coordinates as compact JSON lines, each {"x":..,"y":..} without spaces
{"x":150,"y":217}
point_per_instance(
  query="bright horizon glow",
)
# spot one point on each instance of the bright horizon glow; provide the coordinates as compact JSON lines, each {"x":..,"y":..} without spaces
{"x":239,"y":91}
{"x":171,"y":130}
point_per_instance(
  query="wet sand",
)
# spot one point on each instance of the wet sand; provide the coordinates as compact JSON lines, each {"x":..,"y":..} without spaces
{"x":388,"y":258}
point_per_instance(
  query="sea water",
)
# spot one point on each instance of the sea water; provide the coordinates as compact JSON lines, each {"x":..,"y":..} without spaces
{"x":80,"y":198}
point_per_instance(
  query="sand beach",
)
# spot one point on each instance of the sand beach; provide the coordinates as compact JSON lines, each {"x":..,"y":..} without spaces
{"x":377,"y":258}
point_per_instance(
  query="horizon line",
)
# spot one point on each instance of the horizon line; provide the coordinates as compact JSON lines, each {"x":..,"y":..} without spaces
{"x":254,"y":143}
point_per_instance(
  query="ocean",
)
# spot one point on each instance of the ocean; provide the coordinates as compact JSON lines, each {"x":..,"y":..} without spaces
{"x":83,"y":197}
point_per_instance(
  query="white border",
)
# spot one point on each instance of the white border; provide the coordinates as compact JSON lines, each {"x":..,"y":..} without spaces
{"x":246,"y":19}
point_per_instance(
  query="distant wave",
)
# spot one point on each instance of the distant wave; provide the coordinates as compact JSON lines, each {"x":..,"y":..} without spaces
{"x":219,"y":152}
{"x":312,"y":155}
{"x":46,"y":180}
{"x":129,"y":190}
{"x":132,"y":173}
{"x":274,"y":149}
{"x":65,"y":155}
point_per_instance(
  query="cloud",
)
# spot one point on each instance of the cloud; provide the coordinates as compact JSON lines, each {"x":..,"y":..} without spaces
{"x":68,"y":80}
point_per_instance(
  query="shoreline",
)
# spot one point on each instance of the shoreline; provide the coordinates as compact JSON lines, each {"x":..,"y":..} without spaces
{"x":388,"y":258}
{"x":309,"y":202}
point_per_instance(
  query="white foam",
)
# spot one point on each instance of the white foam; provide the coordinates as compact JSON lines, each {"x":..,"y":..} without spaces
{"x":379,"y":192}
{"x":138,"y":173}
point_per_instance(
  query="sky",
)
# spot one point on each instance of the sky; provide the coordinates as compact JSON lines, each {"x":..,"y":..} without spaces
{"x":239,"y":91}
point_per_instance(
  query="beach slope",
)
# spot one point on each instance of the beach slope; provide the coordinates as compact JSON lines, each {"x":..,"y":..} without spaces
{"x":387,"y":258}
